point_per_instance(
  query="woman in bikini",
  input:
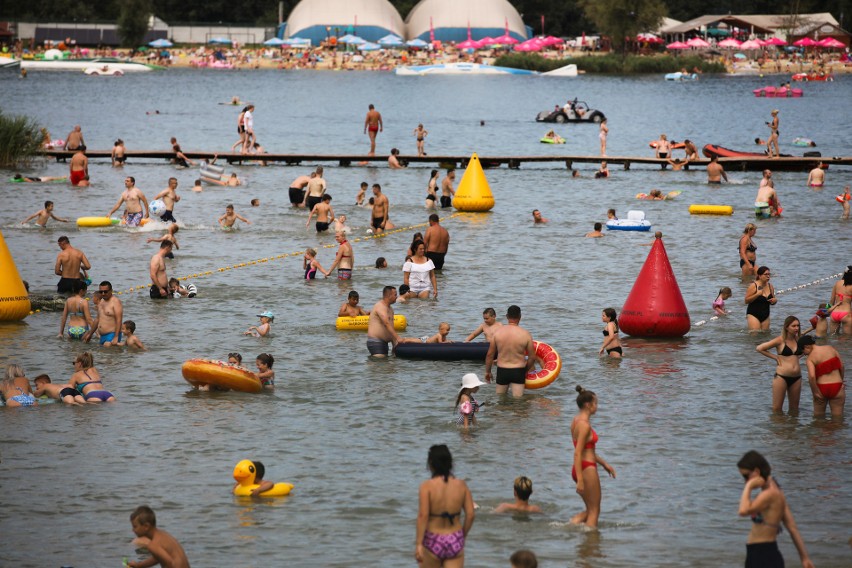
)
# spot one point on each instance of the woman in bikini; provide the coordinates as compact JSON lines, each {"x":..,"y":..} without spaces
{"x":87,"y":380}
{"x":602,"y":135}
{"x":760,"y":295}
{"x":748,"y":256}
{"x":432,"y":191}
{"x":344,"y":260}
{"x":767,"y":511}
{"x":76,"y":312}
{"x":440,"y":532}
{"x":611,"y":343}
{"x":241,"y":130}
{"x":586,"y":459}
{"x":788,"y":373}
{"x":826,"y":376}
{"x":15,"y":388}
{"x":841,"y":296}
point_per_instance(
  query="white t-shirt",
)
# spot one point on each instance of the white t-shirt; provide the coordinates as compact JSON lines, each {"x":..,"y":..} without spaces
{"x":418,"y":278}
{"x":248,"y":120}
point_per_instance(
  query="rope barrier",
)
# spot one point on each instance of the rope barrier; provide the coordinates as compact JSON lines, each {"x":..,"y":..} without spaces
{"x":268,"y":259}
{"x":784,"y":291}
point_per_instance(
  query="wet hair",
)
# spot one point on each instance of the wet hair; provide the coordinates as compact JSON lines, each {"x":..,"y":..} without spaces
{"x":394,"y":151}
{"x":754,"y":460}
{"x":326,"y":198}
{"x":106,"y":283}
{"x":451,"y":171}
{"x":523,"y":487}
{"x":43,"y":377}
{"x":440,"y":461}
{"x":377,"y":186}
{"x":523,"y":559}
{"x":198,"y":182}
{"x":514,"y":312}
{"x":364,"y":184}
{"x":259,"y":470}
{"x":787,"y":321}
{"x":749,"y":227}
{"x":416,"y":245}
{"x":612,"y":315}
{"x":254,"y":203}
{"x":585,"y":397}
{"x":417,"y":237}
{"x":489,"y":312}
{"x":130,"y":325}
{"x":434,"y":217}
{"x":387,"y":290}
{"x":266,"y":359}
{"x":174,"y":281}
{"x":433,"y":174}
{"x":78,"y":286}
{"x":762,"y":270}
{"x":86,"y":360}
{"x":608,"y":211}
{"x":353,"y":294}
{"x":598,"y":226}
{"x":47,"y":204}
{"x":311,"y":251}
{"x":229,"y":206}
{"x":847,"y":276}
{"x":132,"y":179}
{"x":381,"y":262}
{"x":404,"y":289}
{"x":371,"y":107}
{"x":144,"y":515}
{"x":13,"y":371}
{"x":63,"y":239}
{"x":236,"y":356}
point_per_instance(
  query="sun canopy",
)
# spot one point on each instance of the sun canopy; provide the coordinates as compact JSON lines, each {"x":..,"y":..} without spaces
{"x":160,"y":43}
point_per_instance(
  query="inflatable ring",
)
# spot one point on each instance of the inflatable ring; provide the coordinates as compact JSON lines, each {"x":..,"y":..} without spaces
{"x":198,"y":372}
{"x":97,"y":222}
{"x":244,"y":473}
{"x":360,"y":323}
{"x":551,"y":366}
{"x":697,"y":209}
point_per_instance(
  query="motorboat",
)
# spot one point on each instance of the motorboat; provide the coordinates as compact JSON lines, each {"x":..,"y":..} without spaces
{"x":574,"y":111}
{"x":678,"y":76}
{"x":460,"y":69}
{"x":124,"y":65}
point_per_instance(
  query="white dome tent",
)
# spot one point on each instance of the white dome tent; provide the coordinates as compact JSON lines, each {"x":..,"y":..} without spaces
{"x":318,"y":19}
{"x":450,"y":20}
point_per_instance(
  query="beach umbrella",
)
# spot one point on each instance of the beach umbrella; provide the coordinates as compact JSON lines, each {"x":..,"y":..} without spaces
{"x":487,"y":41}
{"x":648,"y":37}
{"x":750,"y":44}
{"x":274,"y":41}
{"x":830,"y":42}
{"x":351,"y":39}
{"x":677,"y":45}
{"x":222,"y":40}
{"x":697,"y":42}
{"x":160,"y":43}
{"x":391,"y":40}
{"x":730,"y":42}
{"x":740,"y":56}
{"x":368,"y":46}
{"x":467,"y":44}
{"x":775,"y":41}
{"x":552,"y":40}
{"x":805,"y":42}
{"x":529,"y":46}
{"x":505,"y":39}
{"x":416,"y":42}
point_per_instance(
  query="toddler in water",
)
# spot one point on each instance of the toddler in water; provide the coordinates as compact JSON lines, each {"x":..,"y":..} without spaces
{"x":719,"y":302}
{"x":128,"y":329}
{"x":262,"y":485}
{"x":465,"y":402}
{"x":359,"y":199}
{"x":844,"y":199}
{"x":265,"y":373}
{"x":819,"y":322}
{"x":441,"y":336}
{"x":262,"y":330}
{"x":523,"y":490}
{"x":340,"y":224}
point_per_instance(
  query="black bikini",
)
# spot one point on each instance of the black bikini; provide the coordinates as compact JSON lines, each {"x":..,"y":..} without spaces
{"x":787,"y":352}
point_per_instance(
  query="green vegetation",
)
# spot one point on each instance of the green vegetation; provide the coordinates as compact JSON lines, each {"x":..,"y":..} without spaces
{"x":623,"y":19}
{"x":611,"y":63}
{"x":21,"y":139}
{"x":133,"y":22}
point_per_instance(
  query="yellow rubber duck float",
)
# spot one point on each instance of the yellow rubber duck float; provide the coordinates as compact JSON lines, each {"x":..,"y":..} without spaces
{"x":247,"y":471}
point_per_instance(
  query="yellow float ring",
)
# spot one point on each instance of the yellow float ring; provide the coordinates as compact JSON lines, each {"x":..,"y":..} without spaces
{"x":97,"y":221}
{"x":698,"y":209}
{"x":551,"y":366}
{"x":360,"y":323}
{"x":244,"y":473}
{"x":199,"y":372}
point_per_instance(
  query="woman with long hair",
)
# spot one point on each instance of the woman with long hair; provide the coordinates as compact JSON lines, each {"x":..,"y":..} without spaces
{"x":787,"y":381}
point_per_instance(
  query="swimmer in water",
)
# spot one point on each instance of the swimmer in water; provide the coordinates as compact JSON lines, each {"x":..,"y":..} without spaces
{"x":523,"y":488}
{"x":44,"y":215}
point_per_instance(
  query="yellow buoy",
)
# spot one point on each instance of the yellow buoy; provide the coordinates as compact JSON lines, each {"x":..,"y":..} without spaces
{"x":701,"y":209}
{"x":14,"y":300}
{"x":473,"y":193}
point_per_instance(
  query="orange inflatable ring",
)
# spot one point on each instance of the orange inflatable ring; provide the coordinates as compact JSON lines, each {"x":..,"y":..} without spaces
{"x":199,"y":372}
{"x":551,"y":366}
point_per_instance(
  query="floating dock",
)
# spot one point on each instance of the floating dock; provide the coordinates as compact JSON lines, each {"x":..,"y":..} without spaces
{"x":750,"y":163}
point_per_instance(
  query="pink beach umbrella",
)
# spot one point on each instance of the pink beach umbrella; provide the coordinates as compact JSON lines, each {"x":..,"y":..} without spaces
{"x":750,"y":44}
{"x":830,"y":42}
{"x":552,"y":40}
{"x":505,"y":39}
{"x":649,"y":38}
{"x":805,"y":42}
{"x":487,"y":41}
{"x":730,"y":42}
{"x":697,"y":42}
{"x":777,"y":41}
{"x":677,"y":45}
{"x":528,"y":46}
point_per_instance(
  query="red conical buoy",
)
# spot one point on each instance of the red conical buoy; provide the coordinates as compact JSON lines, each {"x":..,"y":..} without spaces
{"x":655,"y":307}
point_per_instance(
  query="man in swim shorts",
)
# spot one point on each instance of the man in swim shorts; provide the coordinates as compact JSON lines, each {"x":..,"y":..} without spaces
{"x":133,"y":199}
{"x":316,"y":189}
{"x":70,"y":264}
{"x":79,"y":167}
{"x":159,"y":280}
{"x":372,"y":126}
{"x":380,"y":329}
{"x":109,"y":316}
{"x":169,"y":197}
{"x":816,"y":177}
{"x":324,"y":213}
{"x":437,"y":240}
{"x":381,"y":207}
{"x":715,"y":171}
{"x":511,"y":344}
{"x":297,"y":191}
{"x":74,"y":140}
{"x":447,"y":190}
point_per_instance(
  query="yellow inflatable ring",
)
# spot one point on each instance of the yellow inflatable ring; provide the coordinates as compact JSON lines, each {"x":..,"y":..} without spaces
{"x":551,"y":366}
{"x":97,"y":221}
{"x":698,"y":209}
{"x":244,"y":473}
{"x":198,"y":372}
{"x":360,"y":323}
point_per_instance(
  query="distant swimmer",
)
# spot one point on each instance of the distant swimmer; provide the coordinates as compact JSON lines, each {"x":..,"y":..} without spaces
{"x":603,"y":171}
{"x":44,"y":215}
{"x":372,"y":126}
{"x":42,"y":179}
{"x":816,"y":177}
{"x":117,"y":155}
{"x":596,"y":233}
{"x":537,"y":218}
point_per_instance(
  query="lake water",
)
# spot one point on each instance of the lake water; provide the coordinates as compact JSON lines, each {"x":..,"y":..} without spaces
{"x":351,"y":433}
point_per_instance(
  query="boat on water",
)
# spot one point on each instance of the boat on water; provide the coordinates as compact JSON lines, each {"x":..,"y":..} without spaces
{"x":123,"y":65}
{"x":679,"y":76}
{"x":10,"y":64}
{"x":104,"y":70}
{"x":460,"y":69}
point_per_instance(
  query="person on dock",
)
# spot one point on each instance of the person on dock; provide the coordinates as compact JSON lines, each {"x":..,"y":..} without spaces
{"x":510,"y":346}
{"x":447,"y":190}
{"x":42,"y":216}
{"x":488,"y":326}
{"x":74,"y":140}
{"x":663,"y":149}
{"x":297,"y":191}
{"x":79,"y":168}
{"x":380,"y":329}
{"x":393,"y":160}
{"x":604,"y":131}
{"x":241,"y":130}
{"x":169,"y":197}
{"x":420,"y":133}
{"x":437,"y":240}
{"x":108,"y":319}
{"x":316,"y":189}
{"x":372,"y":126}
{"x":70,"y":266}
{"x":157,"y":270}
{"x":133,"y":199}
{"x":324,"y":213}
{"x":248,"y":126}
{"x":381,"y":209}
{"x":117,"y":156}
{"x":773,"y":136}
{"x":691,"y":150}
{"x":816,"y":177}
{"x":715,"y":171}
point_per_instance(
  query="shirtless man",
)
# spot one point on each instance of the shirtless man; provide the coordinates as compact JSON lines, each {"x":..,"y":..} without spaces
{"x":159,"y":280}
{"x":596,"y":233}
{"x":297,"y":191}
{"x":691,"y":150}
{"x":316,"y":189}
{"x":79,"y":167}
{"x":380,"y":329}
{"x":169,"y":197}
{"x":68,"y":266}
{"x":447,"y":190}
{"x":437,"y":240}
{"x":393,"y":160}
{"x":767,"y":199}
{"x":816,"y":177}
{"x":715,"y":171}
{"x":537,"y":218}
{"x":663,"y":149}
{"x":324,"y":213}
{"x":74,"y":140}
{"x":381,"y":207}
{"x":350,"y":308}
{"x":372,"y":126}
{"x":109,"y":316}
{"x":510,"y":344}
{"x":488,"y":326}
{"x":767,"y":178}
{"x":118,"y":157}
{"x":44,"y":215}
{"x":133,"y":199}
{"x":230,"y":217}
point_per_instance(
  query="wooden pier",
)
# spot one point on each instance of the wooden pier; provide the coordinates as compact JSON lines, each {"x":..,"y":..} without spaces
{"x":750,"y":163}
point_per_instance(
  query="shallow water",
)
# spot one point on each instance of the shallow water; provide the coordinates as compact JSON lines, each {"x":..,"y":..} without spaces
{"x":352,"y":433}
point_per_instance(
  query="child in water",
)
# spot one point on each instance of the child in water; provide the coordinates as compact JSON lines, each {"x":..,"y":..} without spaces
{"x":265,"y":373}
{"x":340,"y":224}
{"x":441,"y":336}
{"x":844,"y":199}
{"x":311,"y":265}
{"x":262,"y":485}
{"x":465,"y":402}
{"x":523,"y":490}
{"x":128,"y":329}
{"x":265,"y":327}
{"x":719,"y":302}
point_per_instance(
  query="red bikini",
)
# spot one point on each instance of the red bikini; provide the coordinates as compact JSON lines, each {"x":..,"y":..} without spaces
{"x":590,"y":445}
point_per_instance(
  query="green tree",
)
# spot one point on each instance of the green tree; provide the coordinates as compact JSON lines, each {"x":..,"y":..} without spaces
{"x":622,"y":19}
{"x":133,"y":22}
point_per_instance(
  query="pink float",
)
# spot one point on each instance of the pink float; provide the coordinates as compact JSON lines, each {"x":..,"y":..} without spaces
{"x":778,"y":92}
